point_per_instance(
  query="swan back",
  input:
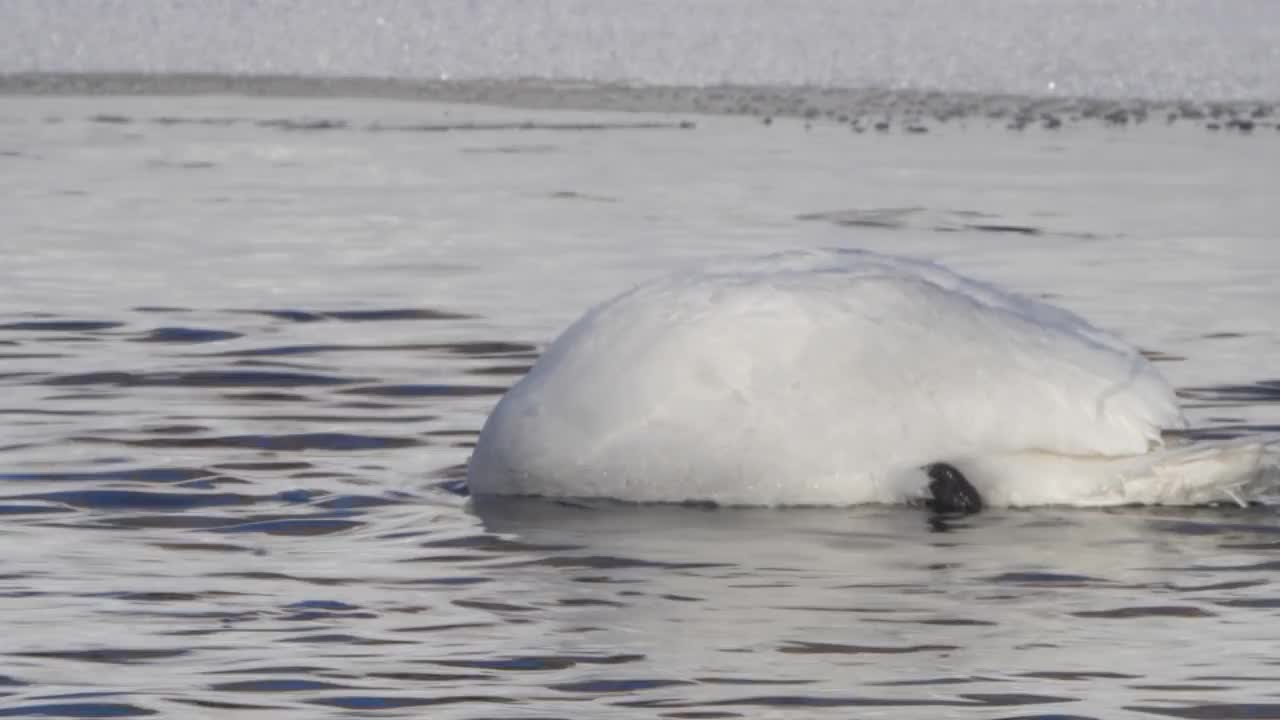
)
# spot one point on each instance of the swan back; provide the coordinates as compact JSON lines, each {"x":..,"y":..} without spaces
{"x":812,"y":377}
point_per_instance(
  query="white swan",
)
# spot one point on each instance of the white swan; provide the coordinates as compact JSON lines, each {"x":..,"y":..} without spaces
{"x":836,"y":377}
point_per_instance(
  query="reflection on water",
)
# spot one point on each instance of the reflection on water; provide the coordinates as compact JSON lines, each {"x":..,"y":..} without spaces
{"x":241,"y":488}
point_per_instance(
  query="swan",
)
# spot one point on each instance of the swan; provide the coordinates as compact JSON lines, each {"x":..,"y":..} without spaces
{"x":842,"y":377}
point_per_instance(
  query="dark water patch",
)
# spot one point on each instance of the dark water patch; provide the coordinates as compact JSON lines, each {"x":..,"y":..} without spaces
{"x":715,"y":680}
{"x":309,"y":316}
{"x":303,"y":527}
{"x":60,"y":326}
{"x":354,"y":502}
{"x":425,"y":677}
{"x":1238,"y":585}
{"x":398,"y":314}
{"x":497,"y":607}
{"x":1215,"y":711}
{"x":532,"y":663}
{"x":344,"y":639}
{"x":1261,"y":392}
{"x":277,"y":685}
{"x":392,"y":419}
{"x":203,"y":547}
{"x":921,"y":218}
{"x":1157,"y":356}
{"x":800,"y":701}
{"x":77,"y":710}
{"x":202,"y":379}
{"x":943,"y":622}
{"x":303,"y":124}
{"x":930,"y":682}
{"x":611,"y":562}
{"x":137,"y":475}
{"x":1228,"y":431}
{"x":1045,"y":579}
{"x":110,"y":656}
{"x":107,"y":119}
{"x":221,"y":704}
{"x":451,"y":433}
{"x":830,"y":609}
{"x":495,"y":350}
{"x":1257,"y":603}
{"x":185,"y":335}
{"x":287,"y":350}
{"x":299,"y":442}
{"x":1007,"y":699}
{"x":208,"y":121}
{"x":1004,"y":228}
{"x":885,"y":218}
{"x":32,"y":356}
{"x":262,"y":575}
{"x":264,"y":466}
{"x":173,"y":429}
{"x":1181,"y":687}
{"x":539,"y":663}
{"x":1161,"y":611}
{"x":1262,"y":546}
{"x":367,"y":405}
{"x":138,"y":500}
{"x":427,"y":390}
{"x":274,"y":670}
{"x":487,"y":349}
{"x":446,"y":627}
{"x":604,"y":687}
{"x":513,"y":370}
{"x":163,"y":597}
{"x":164,"y":309}
{"x":367,"y":703}
{"x":574,"y":195}
{"x":266,"y":397}
{"x":16,"y":510}
{"x":589,"y":602}
{"x":1078,"y":675}
{"x":167,"y":521}
{"x":799,"y":647}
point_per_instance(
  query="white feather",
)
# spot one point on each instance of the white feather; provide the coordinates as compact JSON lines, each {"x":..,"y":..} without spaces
{"x":832,"y":377}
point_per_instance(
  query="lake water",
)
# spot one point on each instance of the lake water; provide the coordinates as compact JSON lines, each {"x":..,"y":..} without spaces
{"x":247,"y":343}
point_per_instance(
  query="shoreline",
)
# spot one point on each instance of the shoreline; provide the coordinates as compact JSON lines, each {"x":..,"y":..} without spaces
{"x":862,"y":110}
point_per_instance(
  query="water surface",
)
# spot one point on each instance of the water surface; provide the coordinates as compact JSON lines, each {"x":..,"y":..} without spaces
{"x":246,"y":345}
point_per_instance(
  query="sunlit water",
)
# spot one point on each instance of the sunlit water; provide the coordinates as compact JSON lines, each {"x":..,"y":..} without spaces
{"x":245,"y":346}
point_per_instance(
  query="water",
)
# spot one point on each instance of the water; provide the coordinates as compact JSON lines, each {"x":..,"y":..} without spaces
{"x":246,"y":344}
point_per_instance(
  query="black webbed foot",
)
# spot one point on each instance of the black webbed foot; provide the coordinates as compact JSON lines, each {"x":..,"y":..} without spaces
{"x":952,"y":493}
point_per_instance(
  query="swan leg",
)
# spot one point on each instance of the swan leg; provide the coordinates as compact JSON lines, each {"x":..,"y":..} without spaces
{"x":951,"y":492}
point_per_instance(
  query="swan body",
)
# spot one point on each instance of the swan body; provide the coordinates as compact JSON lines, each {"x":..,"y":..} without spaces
{"x":834,"y":378}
